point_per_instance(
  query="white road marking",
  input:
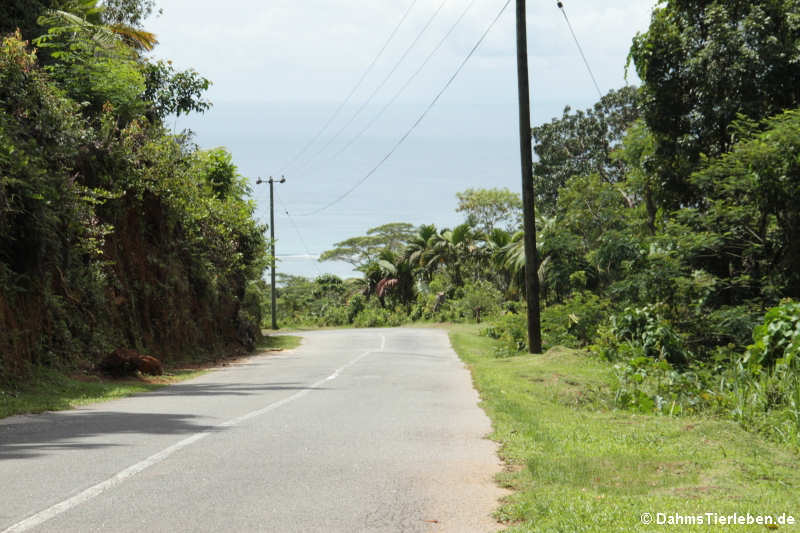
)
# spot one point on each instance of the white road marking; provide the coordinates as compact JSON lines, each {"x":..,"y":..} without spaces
{"x":119,"y":477}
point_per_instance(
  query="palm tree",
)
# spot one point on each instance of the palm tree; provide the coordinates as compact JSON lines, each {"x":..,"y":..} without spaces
{"x":512,"y":255}
{"x":511,"y":258}
{"x":495,"y":241}
{"x":418,"y":250}
{"x":389,"y":274}
{"x":451,"y":248}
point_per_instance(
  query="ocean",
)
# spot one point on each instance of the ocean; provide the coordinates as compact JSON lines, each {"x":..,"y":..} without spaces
{"x":450,"y":151}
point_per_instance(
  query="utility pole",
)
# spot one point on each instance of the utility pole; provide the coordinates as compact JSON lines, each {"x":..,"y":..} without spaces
{"x":528,"y":208}
{"x":272,"y":246}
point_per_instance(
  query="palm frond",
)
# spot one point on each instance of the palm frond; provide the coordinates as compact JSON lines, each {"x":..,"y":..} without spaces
{"x":543,"y":269}
{"x":58,"y":19}
{"x":143,"y":40}
{"x":387,"y":267}
{"x":385,"y":285}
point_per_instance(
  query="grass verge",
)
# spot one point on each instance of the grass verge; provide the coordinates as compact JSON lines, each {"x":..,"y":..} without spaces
{"x":577,"y":464}
{"x":279,"y":342}
{"x":52,"y":390}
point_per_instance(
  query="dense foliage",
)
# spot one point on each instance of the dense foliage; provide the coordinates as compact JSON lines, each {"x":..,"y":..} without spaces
{"x":668,"y":228}
{"x":705,"y":63}
{"x":582,"y":143}
{"x":113,"y":231}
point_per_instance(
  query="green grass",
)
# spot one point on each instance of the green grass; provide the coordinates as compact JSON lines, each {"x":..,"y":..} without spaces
{"x":280,"y":342}
{"x":576,"y":464}
{"x":51,"y":390}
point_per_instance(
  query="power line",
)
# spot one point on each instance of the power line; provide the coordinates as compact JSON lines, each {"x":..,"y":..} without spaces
{"x":418,"y":121}
{"x":352,"y":92}
{"x":297,"y":230}
{"x":578,"y":44}
{"x":405,"y":85}
{"x":378,"y":88}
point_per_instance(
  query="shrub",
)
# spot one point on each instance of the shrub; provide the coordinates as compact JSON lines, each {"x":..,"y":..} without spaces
{"x":333,"y":315}
{"x":255,"y":305}
{"x":760,"y":389}
{"x":479,"y":300}
{"x":574,"y":323}
{"x":645,"y":327}
{"x":376,"y":317}
{"x":723,"y":326}
{"x":654,"y":385}
{"x":778,"y":337}
{"x":355,"y":306}
{"x":417,"y":312}
{"x":512,"y":330}
{"x":764,"y":385}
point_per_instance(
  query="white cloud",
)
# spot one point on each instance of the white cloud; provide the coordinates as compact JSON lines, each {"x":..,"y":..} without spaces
{"x":280,"y":67}
{"x":317,"y":49}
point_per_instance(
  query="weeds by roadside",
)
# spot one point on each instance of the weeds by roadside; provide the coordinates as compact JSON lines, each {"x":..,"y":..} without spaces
{"x":577,"y":463}
{"x":55,"y":390}
{"x":279,"y":342}
{"x":51,"y":390}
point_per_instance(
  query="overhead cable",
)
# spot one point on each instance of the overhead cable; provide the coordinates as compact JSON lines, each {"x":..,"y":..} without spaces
{"x":378,"y":88}
{"x":405,"y":85}
{"x":352,"y":92}
{"x":578,"y":44}
{"x":418,"y":121}
{"x":297,"y":230}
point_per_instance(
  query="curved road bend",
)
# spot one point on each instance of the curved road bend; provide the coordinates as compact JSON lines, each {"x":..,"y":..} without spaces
{"x":356,"y":430}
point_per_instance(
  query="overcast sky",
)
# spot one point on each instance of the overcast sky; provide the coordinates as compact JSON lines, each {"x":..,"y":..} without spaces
{"x":280,"y":68}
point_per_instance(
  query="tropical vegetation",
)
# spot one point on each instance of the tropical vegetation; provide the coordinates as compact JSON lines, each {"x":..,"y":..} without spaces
{"x":668,"y":226}
{"x":114,"y":230}
{"x":576,"y":462}
{"x":668,"y":229}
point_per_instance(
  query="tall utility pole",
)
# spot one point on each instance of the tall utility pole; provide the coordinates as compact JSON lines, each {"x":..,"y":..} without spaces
{"x":272,"y":246}
{"x":528,"y":210}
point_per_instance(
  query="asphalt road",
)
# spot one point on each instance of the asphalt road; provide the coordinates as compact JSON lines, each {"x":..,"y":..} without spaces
{"x":356,"y":430}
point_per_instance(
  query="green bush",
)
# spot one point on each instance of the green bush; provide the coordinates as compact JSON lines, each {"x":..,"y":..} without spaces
{"x":777,"y":338}
{"x":376,"y":317}
{"x":764,"y":385}
{"x":723,"y":326}
{"x":646,"y":328}
{"x":760,"y":389}
{"x":424,"y":306}
{"x":417,"y":312}
{"x":653,"y":385}
{"x":333,"y":315}
{"x":397,"y":318}
{"x":480,"y":299}
{"x":255,"y":304}
{"x":512,"y":330}
{"x":574,"y":323}
{"x":355,"y":306}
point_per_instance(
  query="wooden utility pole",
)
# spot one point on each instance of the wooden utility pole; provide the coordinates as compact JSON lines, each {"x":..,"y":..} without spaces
{"x":528,"y":208}
{"x":272,"y":247}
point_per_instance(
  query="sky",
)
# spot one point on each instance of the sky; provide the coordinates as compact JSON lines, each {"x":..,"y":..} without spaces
{"x":282,"y":68}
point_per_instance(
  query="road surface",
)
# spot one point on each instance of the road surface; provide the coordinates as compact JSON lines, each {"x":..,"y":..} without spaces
{"x":356,"y":430}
